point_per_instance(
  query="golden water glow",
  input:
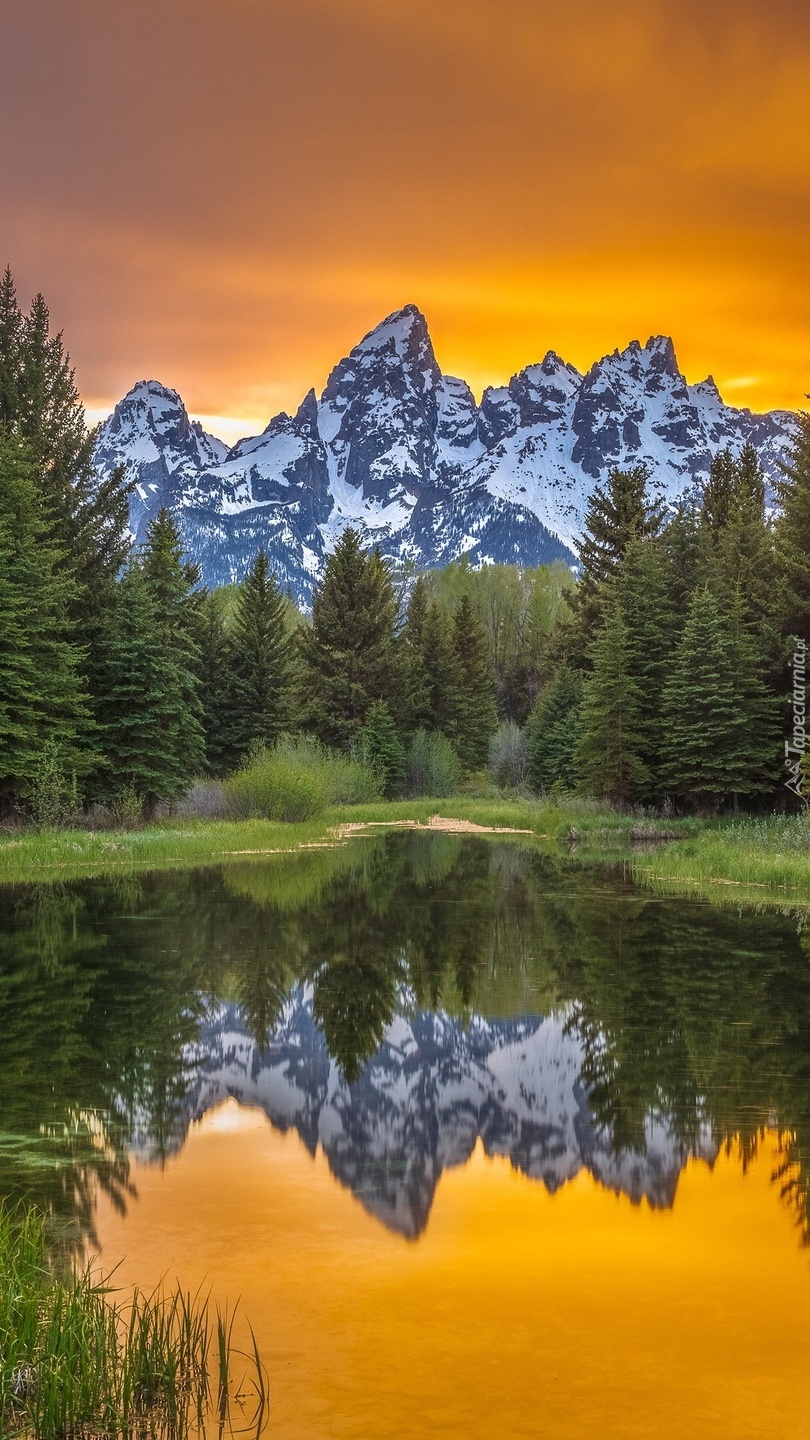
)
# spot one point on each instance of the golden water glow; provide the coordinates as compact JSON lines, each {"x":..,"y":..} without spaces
{"x":516,"y":1314}
{"x":226,"y":194}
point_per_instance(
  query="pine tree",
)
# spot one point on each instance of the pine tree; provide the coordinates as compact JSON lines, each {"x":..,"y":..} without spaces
{"x":743,"y":552}
{"x":260,"y":664}
{"x":40,"y":405}
{"x":149,"y":695}
{"x":552,"y":732}
{"x":417,"y":701}
{"x":214,"y":679}
{"x":476,"y":715}
{"x":792,"y":536}
{"x":43,"y":704}
{"x":719,"y":494}
{"x":642,"y":590}
{"x":608,"y":757}
{"x":86,"y":519}
{"x":719,"y":737}
{"x":617,"y":513}
{"x":380,"y":747}
{"x":152,"y":733}
{"x":688,"y":555}
{"x":351,"y":654}
{"x":440,"y":710}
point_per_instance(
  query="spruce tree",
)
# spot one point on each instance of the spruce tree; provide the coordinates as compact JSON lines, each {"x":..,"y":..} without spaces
{"x":643,"y":592}
{"x":149,"y":701}
{"x":144,"y":707}
{"x":743,"y":561}
{"x":608,"y":755}
{"x":259,"y":662}
{"x":43,"y":702}
{"x":719,"y":492}
{"x":417,"y":697}
{"x":688,"y":555}
{"x":440,"y":707}
{"x":617,"y":514}
{"x":351,"y":653}
{"x":552,"y":732}
{"x":380,"y":747}
{"x":792,"y":537}
{"x":40,"y":405}
{"x":476,"y":714}
{"x":214,"y":679}
{"x":85,"y":518}
{"x":718,"y":732}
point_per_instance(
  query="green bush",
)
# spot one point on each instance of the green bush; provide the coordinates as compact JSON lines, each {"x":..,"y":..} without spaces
{"x":432,"y":765}
{"x":507,"y":756}
{"x":378,"y":747}
{"x":296,"y":780}
{"x":53,"y":797}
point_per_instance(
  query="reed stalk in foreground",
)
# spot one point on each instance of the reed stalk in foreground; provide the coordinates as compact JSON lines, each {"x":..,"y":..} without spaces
{"x":79,"y":1362}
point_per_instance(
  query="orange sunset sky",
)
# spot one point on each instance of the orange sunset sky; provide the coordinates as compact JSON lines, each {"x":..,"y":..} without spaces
{"x":226,"y":194}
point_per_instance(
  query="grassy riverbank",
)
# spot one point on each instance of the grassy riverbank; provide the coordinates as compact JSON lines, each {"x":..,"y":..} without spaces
{"x":768,"y":858}
{"x":52,"y":854}
{"x":79,"y":1358}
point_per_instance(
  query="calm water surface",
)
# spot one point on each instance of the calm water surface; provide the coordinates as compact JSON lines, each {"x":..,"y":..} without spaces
{"x":487,"y":1144}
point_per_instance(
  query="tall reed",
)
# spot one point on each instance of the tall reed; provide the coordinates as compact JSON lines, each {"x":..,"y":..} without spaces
{"x":81,"y":1361}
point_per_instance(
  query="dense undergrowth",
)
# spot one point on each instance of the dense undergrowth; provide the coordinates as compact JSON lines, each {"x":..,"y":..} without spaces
{"x":78,"y":1359}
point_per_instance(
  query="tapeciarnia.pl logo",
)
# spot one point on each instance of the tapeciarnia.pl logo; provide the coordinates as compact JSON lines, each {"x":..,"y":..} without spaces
{"x":797,"y":743}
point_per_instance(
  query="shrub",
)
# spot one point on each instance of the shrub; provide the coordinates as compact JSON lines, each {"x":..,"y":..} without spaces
{"x":432,"y":765}
{"x":297,"y":780}
{"x":507,"y":756}
{"x":378,"y":747}
{"x":204,"y":801}
{"x":53,"y":797}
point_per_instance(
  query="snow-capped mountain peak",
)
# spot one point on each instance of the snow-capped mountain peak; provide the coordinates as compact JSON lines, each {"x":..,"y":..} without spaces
{"x":404,"y":452}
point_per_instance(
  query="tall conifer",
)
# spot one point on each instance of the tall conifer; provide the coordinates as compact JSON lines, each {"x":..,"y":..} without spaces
{"x":351,"y":653}
{"x":476,"y":714}
{"x":149,"y":701}
{"x":617,"y":513}
{"x":43,"y":703}
{"x":609,"y":751}
{"x":718,"y":735}
{"x":552,"y":732}
{"x":792,"y":536}
{"x":260,"y":663}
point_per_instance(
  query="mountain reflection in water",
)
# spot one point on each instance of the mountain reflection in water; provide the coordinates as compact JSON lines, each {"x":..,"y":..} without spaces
{"x":394,"y":1001}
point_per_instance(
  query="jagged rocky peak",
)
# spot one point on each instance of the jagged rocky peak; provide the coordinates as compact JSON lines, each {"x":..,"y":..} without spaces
{"x":151,"y":412}
{"x":402,"y":451}
{"x":379,"y":412}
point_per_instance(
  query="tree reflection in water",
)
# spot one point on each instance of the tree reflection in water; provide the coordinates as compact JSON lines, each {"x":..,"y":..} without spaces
{"x":695,"y":1013}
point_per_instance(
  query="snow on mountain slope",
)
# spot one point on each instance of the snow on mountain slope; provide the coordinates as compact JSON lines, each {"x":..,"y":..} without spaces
{"x":151,"y":434}
{"x":405,"y":453}
{"x":423,"y":1101}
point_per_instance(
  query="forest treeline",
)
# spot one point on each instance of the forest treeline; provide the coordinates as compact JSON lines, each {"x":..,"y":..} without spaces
{"x":661,"y":677}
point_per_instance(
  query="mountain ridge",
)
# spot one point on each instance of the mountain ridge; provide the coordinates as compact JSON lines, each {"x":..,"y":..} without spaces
{"x":408,"y":455}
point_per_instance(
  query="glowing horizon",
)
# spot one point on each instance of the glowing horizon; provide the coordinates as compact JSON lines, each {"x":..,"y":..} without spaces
{"x":226,"y":195}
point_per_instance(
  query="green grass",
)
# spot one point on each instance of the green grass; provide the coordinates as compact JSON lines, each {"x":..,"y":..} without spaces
{"x":770,"y":856}
{"x":79,"y":1359}
{"x":763,"y":859}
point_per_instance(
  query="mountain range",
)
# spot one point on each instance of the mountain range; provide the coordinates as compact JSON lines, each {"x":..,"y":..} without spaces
{"x":406,"y":454}
{"x":431,"y":1093}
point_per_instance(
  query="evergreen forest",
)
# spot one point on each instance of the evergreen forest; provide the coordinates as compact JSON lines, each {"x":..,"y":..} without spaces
{"x":660,"y":676}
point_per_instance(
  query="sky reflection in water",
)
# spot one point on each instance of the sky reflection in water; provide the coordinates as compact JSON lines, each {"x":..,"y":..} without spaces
{"x":493,"y":1081}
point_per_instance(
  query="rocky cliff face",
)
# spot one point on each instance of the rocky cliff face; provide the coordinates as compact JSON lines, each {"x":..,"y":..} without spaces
{"x":405,"y":453}
{"x":434,"y":1088}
